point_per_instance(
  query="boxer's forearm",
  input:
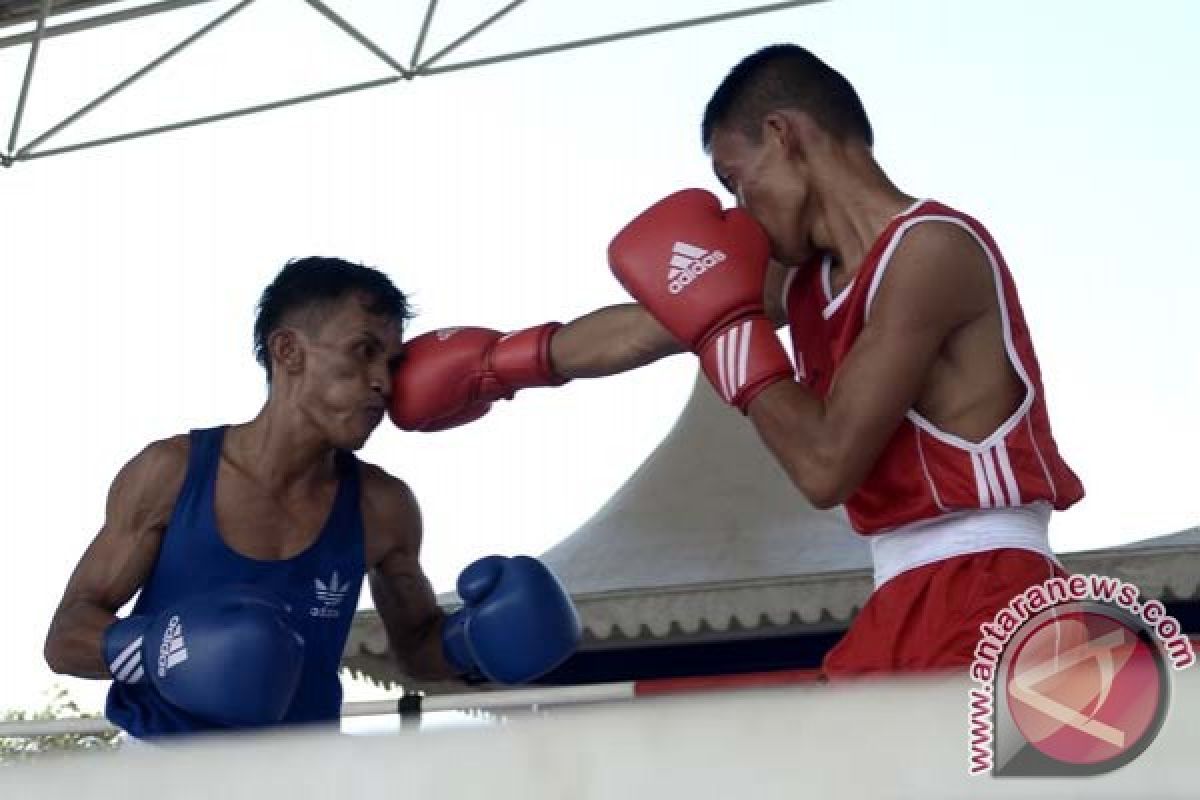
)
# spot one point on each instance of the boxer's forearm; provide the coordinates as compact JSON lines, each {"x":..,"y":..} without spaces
{"x":608,"y":341}
{"x":75,"y":642}
{"x":408,"y":608}
{"x":425,"y":657}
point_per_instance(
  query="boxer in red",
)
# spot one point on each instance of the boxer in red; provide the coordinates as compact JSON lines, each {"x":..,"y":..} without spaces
{"x":915,"y":399}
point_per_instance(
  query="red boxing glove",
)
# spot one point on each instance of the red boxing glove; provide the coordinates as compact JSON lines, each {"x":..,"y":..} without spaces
{"x":700,"y":271}
{"x":451,"y":376}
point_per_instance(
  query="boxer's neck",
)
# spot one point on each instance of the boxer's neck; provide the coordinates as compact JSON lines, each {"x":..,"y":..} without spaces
{"x":853,"y":201}
{"x":280,"y":450}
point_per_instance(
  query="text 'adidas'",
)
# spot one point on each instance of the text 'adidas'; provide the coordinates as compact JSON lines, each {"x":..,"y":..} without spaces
{"x":171,"y":651}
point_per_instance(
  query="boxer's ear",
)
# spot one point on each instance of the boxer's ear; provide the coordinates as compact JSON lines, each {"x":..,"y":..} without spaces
{"x":287,"y":350}
{"x":777,"y":130}
{"x":793,"y":131}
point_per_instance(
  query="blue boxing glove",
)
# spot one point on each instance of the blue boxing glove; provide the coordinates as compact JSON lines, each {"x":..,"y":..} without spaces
{"x":228,"y":656}
{"x":517,"y":622}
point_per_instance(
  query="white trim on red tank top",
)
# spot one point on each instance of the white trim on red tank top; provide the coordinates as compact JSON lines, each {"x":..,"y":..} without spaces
{"x":990,"y":454}
{"x":937,"y":498}
{"x":989,"y":457}
{"x":832,"y":304}
{"x":788,"y":280}
{"x":827,"y":280}
{"x":998,"y":435}
{"x":1041,"y":460}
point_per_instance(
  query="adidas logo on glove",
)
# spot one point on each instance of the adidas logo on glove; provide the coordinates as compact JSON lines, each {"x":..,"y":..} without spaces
{"x":171,"y":651}
{"x":689,"y":262}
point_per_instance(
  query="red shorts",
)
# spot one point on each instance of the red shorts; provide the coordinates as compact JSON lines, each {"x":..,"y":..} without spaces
{"x":928,"y":618}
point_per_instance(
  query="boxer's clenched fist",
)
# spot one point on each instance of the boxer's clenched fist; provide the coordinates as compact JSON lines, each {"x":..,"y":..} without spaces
{"x":517,"y":621}
{"x":230,"y":656}
{"x":452,"y":376}
{"x":700,"y":271}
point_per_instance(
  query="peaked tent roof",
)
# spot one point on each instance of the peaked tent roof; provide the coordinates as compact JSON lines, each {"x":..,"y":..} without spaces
{"x":709,"y":533}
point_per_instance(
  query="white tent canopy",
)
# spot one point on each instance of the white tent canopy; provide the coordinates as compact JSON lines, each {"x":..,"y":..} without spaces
{"x":710,"y":534}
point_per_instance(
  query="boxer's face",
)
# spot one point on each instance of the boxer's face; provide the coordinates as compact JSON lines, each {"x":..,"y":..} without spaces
{"x":347,"y":372}
{"x":770,"y":183}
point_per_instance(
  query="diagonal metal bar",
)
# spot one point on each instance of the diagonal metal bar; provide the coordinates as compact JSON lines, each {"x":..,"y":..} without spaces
{"x":416,"y":56}
{"x":25,"y":155}
{"x":133,"y":78}
{"x":426,"y":68}
{"x":613,"y":37}
{"x":14,"y":15}
{"x":34,"y":46}
{"x":466,"y":37}
{"x":359,"y":37}
{"x":101,"y":20}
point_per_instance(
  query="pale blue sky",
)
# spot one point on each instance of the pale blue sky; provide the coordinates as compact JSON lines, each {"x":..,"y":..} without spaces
{"x":132,"y":271}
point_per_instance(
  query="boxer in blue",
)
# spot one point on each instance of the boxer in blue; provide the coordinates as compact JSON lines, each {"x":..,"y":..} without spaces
{"x":249,"y":543}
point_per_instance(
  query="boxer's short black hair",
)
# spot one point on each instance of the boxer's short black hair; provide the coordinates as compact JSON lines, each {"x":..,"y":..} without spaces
{"x":785,"y":76}
{"x":315,"y":283}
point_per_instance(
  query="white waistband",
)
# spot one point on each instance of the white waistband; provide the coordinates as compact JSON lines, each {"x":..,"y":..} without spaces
{"x":959,"y":533}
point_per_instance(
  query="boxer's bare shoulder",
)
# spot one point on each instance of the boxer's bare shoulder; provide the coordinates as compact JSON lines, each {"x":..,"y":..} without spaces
{"x":144,"y":491}
{"x":391,"y":515}
{"x":139,"y":508}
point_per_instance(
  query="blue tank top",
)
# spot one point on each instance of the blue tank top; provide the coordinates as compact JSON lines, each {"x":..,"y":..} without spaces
{"x":321,"y":585}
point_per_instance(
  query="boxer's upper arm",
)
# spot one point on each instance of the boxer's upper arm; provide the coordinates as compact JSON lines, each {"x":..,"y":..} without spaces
{"x":140,"y":501}
{"x":119,"y":559}
{"x":402,"y":593}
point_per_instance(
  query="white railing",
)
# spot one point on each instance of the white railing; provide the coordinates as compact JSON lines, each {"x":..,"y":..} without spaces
{"x":871,"y":740}
{"x":535,"y":697}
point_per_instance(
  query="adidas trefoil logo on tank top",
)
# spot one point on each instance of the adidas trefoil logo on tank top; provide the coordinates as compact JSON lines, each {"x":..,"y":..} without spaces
{"x":329,"y":597}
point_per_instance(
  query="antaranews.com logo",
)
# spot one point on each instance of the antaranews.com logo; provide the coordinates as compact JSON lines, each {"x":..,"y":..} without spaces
{"x":1072,"y":679}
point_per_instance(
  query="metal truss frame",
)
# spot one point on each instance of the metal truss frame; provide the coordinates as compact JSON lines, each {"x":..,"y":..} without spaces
{"x":417,"y":66}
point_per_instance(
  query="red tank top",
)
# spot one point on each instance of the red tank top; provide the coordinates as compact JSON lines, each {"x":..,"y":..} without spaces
{"x":924,"y":472}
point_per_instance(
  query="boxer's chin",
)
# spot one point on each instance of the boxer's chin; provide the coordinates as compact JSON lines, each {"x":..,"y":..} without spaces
{"x":371,"y":425}
{"x":352,"y":437}
{"x":356,"y":440}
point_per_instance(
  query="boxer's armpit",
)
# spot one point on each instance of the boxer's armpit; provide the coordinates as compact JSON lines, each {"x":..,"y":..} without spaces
{"x":118,"y":560}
